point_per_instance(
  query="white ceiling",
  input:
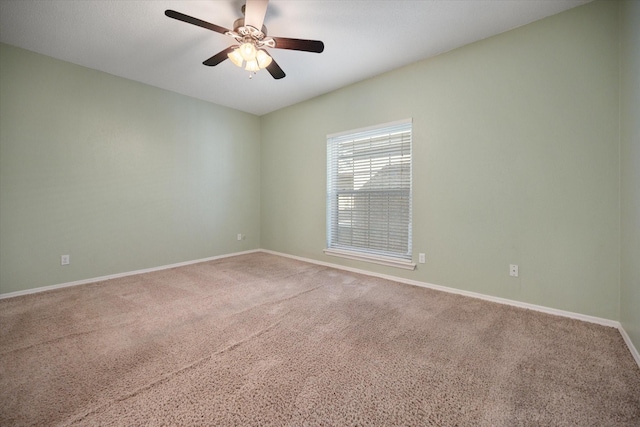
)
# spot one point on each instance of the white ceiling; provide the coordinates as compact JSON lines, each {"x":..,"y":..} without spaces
{"x":135,"y":40}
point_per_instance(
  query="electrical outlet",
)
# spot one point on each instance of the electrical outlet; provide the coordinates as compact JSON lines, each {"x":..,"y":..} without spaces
{"x":421,"y":258}
{"x":239,"y":236}
{"x":65,"y":260}
{"x":513,"y":270}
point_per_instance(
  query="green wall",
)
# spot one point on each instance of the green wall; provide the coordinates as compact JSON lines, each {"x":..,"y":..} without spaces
{"x":630,"y":174}
{"x":119,"y":175}
{"x":516,"y":161}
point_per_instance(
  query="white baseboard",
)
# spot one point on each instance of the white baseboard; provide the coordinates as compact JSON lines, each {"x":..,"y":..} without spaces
{"x":632,"y":348}
{"x":117,"y":275}
{"x":548,"y":310}
{"x":543,"y":309}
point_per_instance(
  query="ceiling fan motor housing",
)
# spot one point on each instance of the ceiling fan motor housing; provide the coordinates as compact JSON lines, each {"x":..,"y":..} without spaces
{"x":240,"y":28}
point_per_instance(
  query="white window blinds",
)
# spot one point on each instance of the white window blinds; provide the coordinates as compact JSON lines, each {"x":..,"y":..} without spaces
{"x":369,"y":191}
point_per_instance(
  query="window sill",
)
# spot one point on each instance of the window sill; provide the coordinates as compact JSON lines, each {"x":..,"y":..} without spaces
{"x":376,"y":259}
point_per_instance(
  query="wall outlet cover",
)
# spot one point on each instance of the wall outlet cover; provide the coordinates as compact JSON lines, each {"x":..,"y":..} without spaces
{"x":513,"y":270}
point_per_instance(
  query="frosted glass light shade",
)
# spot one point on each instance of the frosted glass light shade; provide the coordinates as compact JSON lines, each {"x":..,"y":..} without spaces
{"x":248,"y":52}
{"x":235,"y":57}
{"x":252,"y":65}
{"x":263,"y":59}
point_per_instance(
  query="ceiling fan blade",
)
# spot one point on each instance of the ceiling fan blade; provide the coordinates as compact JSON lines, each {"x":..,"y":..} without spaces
{"x":254,"y":13}
{"x":299,"y":44}
{"x":218,"y":57}
{"x":275,"y":70}
{"x":195,"y":21}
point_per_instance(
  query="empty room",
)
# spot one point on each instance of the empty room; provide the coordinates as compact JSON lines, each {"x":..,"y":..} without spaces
{"x":320,"y":212}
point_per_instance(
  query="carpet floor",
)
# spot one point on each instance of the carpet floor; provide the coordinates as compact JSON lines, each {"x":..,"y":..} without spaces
{"x":264,"y":340}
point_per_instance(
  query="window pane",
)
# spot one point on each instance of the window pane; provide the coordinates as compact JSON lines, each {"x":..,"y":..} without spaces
{"x":369,"y":191}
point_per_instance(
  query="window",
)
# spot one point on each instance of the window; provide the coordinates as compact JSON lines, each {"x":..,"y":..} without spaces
{"x":369,"y":194}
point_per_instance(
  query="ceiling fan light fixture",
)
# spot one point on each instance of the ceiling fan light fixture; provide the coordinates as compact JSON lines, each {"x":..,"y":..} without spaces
{"x":248,"y":51}
{"x":263,"y":58}
{"x":236,"y":57}
{"x":252,"y":66}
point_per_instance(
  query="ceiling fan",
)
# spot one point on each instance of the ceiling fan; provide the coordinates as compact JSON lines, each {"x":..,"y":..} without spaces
{"x":252,"y":40}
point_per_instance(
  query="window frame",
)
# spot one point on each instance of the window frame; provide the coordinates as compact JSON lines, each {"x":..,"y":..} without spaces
{"x":361,"y":253}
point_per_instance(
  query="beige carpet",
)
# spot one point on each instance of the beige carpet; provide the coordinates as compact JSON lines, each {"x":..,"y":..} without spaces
{"x":265,"y":340}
